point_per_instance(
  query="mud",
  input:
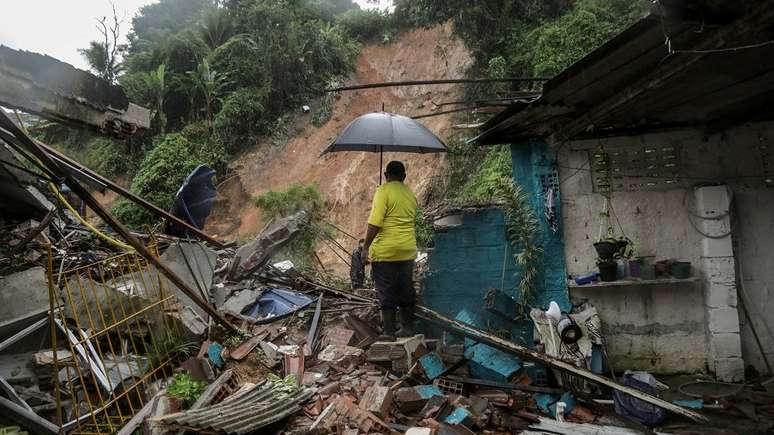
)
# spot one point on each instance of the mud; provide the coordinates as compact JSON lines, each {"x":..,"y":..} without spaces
{"x":347,"y":180}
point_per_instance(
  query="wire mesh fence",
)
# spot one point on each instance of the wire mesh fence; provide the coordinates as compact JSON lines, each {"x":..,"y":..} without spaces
{"x":116,"y":336}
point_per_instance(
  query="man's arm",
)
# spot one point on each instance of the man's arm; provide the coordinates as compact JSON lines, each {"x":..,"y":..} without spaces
{"x":371,"y":233}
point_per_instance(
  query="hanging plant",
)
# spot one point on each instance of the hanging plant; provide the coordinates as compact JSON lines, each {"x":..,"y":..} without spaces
{"x":521,"y":228}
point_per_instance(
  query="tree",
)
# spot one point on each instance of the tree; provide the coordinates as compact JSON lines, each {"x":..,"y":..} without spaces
{"x":207,"y":84}
{"x":216,"y":29}
{"x":158,"y":88}
{"x":104,"y":56}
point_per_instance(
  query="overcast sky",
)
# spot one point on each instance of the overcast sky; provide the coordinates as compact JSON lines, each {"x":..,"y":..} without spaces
{"x":60,"y":27}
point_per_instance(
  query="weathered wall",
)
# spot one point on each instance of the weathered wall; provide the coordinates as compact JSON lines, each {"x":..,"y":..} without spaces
{"x":665,"y":328}
{"x":466,"y":262}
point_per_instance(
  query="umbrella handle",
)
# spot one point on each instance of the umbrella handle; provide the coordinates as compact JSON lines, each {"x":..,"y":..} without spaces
{"x":381,"y":162}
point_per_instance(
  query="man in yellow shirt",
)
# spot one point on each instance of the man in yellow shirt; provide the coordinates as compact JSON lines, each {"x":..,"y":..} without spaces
{"x":392,"y":247}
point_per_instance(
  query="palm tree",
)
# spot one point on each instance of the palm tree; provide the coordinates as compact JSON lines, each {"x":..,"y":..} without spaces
{"x":100,"y":60}
{"x":216,"y":29}
{"x":157,"y":85}
{"x":208,"y":85}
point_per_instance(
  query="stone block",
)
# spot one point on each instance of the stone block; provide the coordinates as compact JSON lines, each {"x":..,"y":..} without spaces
{"x":726,"y":346}
{"x":720,"y":270}
{"x":720,"y":295}
{"x":723,"y":320}
{"x":377,"y":400}
{"x":714,"y":248}
{"x":729,"y":369}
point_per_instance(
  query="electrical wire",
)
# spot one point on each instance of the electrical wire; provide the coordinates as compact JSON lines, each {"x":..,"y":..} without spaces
{"x":55,"y":190}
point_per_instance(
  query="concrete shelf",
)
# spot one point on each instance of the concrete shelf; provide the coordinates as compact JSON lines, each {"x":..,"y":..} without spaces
{"x":636,"y":282}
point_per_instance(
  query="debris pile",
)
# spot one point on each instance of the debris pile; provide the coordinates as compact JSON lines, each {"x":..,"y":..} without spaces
{"x":238,"y":340}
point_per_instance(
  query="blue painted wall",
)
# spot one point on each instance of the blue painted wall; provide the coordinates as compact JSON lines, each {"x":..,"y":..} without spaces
{"x":468,"y":260}
{"x":534,"y":168}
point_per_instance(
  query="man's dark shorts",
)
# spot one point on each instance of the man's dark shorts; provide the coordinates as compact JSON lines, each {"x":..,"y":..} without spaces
{"x":394,"y":282}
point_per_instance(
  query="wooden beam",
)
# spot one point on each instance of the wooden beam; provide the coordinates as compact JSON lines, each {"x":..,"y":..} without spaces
{"x":541,"y":358}
{"x":39,"y":152}
{"x":161,"y":213}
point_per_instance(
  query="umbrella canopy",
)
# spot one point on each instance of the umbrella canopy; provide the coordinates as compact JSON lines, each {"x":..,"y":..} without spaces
{"x":386,"y":132}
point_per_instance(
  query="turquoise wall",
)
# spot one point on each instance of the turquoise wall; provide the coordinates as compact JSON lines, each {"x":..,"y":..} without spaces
{"x":468,"y":259}
{"x":534,"y":168}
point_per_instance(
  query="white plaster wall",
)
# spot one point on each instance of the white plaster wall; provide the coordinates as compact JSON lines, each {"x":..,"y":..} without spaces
{"x":755,"y":256}
{"x":663,"y":328}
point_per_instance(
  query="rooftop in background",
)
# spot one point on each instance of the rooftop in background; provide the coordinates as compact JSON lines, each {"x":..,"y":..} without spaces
{"x":706,"y":64}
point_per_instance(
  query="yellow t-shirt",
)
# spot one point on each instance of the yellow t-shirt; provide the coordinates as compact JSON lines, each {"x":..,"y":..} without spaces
{"x":393,"y":210}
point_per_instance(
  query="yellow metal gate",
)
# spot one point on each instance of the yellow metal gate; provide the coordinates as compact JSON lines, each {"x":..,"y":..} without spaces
{"x":116,"y":333}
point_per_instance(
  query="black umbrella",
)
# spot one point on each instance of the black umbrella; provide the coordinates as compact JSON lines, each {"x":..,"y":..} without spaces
{"x":380,"y":131}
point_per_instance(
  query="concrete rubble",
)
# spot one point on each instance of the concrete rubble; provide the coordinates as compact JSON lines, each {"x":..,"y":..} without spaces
{"x":306,"y":358}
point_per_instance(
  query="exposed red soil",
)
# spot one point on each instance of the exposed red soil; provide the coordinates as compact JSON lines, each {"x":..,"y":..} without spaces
{"x":348,"y":180}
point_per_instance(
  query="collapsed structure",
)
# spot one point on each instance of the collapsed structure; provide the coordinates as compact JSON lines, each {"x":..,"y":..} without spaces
{"x":123,"y":330}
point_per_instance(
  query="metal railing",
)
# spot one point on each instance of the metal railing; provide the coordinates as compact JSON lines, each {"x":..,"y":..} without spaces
{"x":116,"y":337}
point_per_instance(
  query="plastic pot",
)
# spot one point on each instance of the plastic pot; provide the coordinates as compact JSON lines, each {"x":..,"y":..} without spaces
{"x":607,"y":270}
{"x":606,"y":250}
{"x":680,"y":269}
{"x":647,"y":271}
{"x":634,"y":268}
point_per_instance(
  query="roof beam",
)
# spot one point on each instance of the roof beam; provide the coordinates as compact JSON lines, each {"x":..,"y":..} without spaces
{"x":758,"y":18}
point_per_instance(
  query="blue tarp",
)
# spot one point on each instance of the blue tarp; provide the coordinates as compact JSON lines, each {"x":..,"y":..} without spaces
{"x":193,"y":201}
{"x":276,"y":303}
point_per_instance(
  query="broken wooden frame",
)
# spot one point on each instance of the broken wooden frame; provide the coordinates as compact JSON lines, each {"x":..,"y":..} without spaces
{"x":35,"y":148}
{"x":510,"y":347}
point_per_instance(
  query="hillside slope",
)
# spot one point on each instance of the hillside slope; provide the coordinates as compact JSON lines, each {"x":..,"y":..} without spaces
{"x":348,"y":180}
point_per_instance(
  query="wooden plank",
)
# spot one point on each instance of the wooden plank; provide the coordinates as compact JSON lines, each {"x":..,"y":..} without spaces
{"x":139,"y":418}
{"x":312,"y":336}
{"x":161,"y":213}
{"x":531,"y":355}
{"x":212,"y":390}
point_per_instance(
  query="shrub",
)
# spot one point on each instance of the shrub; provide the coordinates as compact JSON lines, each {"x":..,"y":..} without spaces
{"x":161,"y":173}
{"x":277,"y":204}
{"x":366,"y":25}
{"x":241,"y":120}
{"x":186,"y":387}
{"x":484,"y":182}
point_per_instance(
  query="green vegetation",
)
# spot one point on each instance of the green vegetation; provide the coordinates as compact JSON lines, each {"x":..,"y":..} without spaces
{"x":278,"y":204}
{"x":164,"y":168}
{"x":186,"y":387}
{"x":423,"y":231}
{"x":288,"y":384}
{"x":218,"y":76}
{"x":521,"y":226}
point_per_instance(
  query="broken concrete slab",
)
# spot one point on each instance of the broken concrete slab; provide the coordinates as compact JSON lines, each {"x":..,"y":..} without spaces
{"x":23,"y":293}
{"x":254,"y":255}
{"x":240,"y":300}
{"x":194,"y":263}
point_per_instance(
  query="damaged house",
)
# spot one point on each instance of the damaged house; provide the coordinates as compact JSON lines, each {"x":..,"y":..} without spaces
{"x":661,"y":137}
{"x":634,"y":241}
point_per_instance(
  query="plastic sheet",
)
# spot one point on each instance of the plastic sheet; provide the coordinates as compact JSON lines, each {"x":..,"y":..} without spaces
{"x":277,"y":303}
{"x":193,"y":201}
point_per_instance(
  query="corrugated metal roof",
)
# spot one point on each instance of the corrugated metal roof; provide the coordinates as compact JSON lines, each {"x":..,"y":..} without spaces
{"x":243,"y":413}
{"x":633,"y":83}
